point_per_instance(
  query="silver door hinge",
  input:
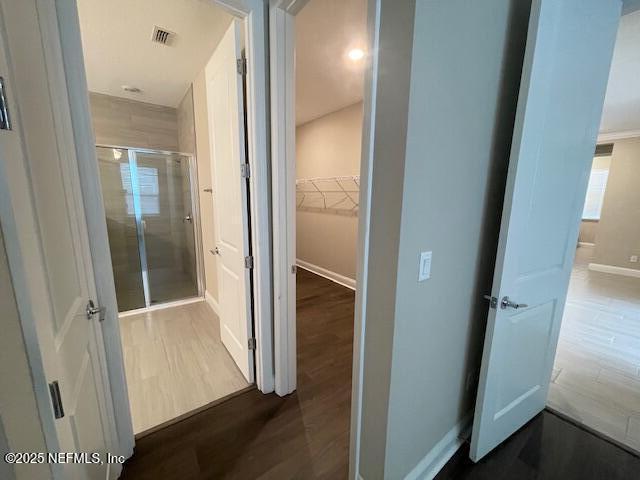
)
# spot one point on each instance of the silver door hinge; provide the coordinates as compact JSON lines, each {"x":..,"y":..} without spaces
{"x":241,"y":66}
{"x":56,"y":399}
{"x":252,"y":343}
{"x":245,"y":171}
{"x":5,"y":120}
{"x":493,"y":301}
{"x":248,"y":261}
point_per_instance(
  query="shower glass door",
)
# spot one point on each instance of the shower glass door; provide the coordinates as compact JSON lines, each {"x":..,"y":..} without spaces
{"x":150,"y":193}
{"x":167,"y":219}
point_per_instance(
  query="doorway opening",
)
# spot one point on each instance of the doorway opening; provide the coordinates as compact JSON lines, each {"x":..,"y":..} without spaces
{"x":596,"y":374}
{"x":167,"y":101}
{"x":330,"y":50}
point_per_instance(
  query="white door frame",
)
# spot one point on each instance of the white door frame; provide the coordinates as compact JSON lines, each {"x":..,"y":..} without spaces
{"x":22,"y":237}
{"x":61,"y":27}
{"x":283,"y":176}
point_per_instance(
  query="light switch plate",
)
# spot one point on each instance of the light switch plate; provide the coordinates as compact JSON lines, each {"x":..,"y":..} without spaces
{"x":424,"y":269}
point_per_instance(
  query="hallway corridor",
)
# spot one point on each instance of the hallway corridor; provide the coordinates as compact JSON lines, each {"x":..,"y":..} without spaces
{"x":304,"y":435}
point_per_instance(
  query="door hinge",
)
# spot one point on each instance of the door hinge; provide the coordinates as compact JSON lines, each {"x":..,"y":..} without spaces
{"x":252,"y":343}
{"x":294,"y":269}
{"x":248,"y":261}
{"x":493,"y":301}
{"x":56,"y":399}
{"x":5,"y":120}
{"x":245,"y":171}
{"x":241,"y":66}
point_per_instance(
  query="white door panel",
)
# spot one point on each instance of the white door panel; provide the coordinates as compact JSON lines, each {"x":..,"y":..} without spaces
{"x":52,"y":233}
{"x":565,"y":72}
{"x":227,"y":136}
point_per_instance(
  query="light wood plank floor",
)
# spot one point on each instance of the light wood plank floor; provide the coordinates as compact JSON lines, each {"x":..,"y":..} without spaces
{"x":596,"y":378}
{"x":175,"y":363}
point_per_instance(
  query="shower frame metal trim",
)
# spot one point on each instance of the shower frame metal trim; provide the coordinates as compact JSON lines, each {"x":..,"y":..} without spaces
{"x":137,"y":210}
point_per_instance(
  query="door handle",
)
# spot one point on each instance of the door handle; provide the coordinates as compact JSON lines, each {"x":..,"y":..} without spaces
{"x":506,"y":303}
{"x":93,"y":310}
{"x":215,"y":251}
{"x":187,"y":218}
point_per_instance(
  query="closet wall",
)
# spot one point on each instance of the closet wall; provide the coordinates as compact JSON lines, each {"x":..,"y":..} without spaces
{"x":328,"y":147}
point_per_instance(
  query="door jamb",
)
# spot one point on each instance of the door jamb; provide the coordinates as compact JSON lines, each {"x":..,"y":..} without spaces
{"x":282,"y":82}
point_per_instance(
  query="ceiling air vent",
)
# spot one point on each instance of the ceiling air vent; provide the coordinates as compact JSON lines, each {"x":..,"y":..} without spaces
{"x":162,"y":36}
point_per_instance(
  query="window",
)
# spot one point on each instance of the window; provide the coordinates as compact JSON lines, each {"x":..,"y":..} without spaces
{"x":595,"y":191}
{"x":149,"y":190}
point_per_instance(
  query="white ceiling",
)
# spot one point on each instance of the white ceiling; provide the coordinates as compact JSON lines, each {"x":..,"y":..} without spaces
{"x":116,"y":37}
{"x":326,"y":79}
{"x":622,"y":102}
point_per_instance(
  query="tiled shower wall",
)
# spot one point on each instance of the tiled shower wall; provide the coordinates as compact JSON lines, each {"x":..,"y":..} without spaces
{"x":127,"y":123}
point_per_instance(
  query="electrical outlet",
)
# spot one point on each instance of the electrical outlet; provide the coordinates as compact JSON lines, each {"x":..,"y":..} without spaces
{"x":633,"y":258}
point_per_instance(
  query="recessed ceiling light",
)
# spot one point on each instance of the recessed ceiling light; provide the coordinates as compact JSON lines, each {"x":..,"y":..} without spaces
{"x":131,"y":89}
{"x":356,"y":54}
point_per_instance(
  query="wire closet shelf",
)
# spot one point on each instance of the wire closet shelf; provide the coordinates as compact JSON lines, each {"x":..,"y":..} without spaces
{"x":337,"y":195}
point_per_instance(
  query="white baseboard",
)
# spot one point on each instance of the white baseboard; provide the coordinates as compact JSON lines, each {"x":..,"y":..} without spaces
{"x":160,"y":306}
{"x":213,"y":303}
{"x":442,"y":452}
{"x":328,"y":274}
{"x":627,"y":272}
{"x":586,"y":244}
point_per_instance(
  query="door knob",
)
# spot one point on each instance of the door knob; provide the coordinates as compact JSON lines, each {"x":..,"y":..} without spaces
{"x":93,"y":310}
{"x":187,"y":218}
{"x":506,"y":303}
{"x":215,"y":251}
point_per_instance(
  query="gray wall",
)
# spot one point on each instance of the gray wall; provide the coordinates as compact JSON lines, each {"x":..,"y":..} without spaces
{"x":186,"y":124}
{"x":187,"y":144}
{"x":127,"y":123}
{"x":588,"y":231}
{"x":618,"y":235}
{"x":466,"y":60}
{"x":329,"y":146}
{"x":205,"y":180}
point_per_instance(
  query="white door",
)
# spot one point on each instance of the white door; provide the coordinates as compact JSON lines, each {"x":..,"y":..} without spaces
{"x":42,"y":186}
{"x":564,"y":78}
{"x":227,"y":138}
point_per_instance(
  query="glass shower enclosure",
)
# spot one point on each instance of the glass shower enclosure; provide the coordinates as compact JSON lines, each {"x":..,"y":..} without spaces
{"x":151,"y":217}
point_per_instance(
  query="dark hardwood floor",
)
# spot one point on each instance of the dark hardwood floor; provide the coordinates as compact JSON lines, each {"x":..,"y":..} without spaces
{"x":306,"y":435}
{"x":547,"y":448}
{"x":302,"y":436}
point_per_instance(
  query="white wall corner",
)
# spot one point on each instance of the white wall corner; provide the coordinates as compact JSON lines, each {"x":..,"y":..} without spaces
{"x":627,"y":272}
{"x":442,"y":452}
{"x":328,"y":274}
{"x":213,"y":303}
